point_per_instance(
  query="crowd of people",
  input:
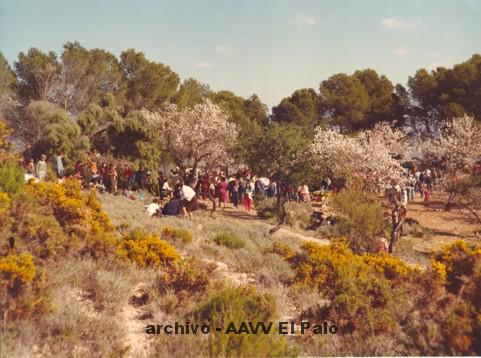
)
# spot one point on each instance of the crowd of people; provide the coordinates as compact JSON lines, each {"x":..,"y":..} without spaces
{"x":179,"y":190}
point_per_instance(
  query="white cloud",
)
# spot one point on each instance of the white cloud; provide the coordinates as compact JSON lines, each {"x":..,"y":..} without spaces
{"x":393,"y":23}
{"x":224,"y":50}
{"x":304,"y":19}
{"x":203,"y":65}
{"x":400,"y":51}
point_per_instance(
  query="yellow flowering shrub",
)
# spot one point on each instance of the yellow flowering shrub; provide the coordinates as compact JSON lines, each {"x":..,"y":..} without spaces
{"x":79,"y":214}
{"x":16,"y":270}
{"x":428,"y":311}
{"x":358,"y":287}
{"x":4,"y":202}
{"x":147,"y":250}
{"x":21,"y":290}
{"x":459,"y":260}
{"x":171,"y":233}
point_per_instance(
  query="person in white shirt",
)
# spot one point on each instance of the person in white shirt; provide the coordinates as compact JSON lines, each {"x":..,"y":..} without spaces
{"x":188,"y":199}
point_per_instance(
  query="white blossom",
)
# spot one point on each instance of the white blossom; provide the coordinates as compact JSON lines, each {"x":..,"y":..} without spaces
{"x":197,"y":136}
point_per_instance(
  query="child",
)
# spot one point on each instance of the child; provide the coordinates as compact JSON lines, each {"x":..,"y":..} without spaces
{"x":426,"y":194}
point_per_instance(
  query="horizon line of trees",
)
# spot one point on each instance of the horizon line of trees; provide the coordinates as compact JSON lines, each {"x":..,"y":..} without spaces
{"x":89,"y":99}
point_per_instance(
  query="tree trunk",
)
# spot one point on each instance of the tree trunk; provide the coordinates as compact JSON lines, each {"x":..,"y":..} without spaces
{"x":449,"y":203}
{"x":280,"y":208}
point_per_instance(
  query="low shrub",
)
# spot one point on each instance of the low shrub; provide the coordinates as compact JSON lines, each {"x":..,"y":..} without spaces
{"x":11,"y":177}
{"x":22,"y":290}
{"x":426,"y":312}
{"x":184,"y":276}
{"x":297,"y":214}
{"x":147,"y":250}
{"x":237,"y":305}
{"x":266,"y":208}
{"x":171,"y":233}
{"x":281,"y":249}
{"x":361,"y":220}
{"x":229,"y":240}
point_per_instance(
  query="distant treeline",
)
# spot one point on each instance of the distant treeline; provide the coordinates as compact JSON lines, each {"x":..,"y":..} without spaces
{"x":93,"y":98}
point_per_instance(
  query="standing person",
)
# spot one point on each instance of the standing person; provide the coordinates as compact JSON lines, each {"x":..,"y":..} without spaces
{"x":205,"y":186}
{"x":306,"y":194}
{"x":259,"y":190}
{"x":160,"y":182}
{"x":188,"y":199}
{"x":147,"y":181}
{"x":249,"y":192}
{"x":128,"y":176}
{"x":222,"y":188}
{"x":112,"y":174}
{"x":103,"y":174}
{"x":59,"y":165}
{"x":426,"y":194}
{"x":242,"y":189}
{"x":411,"y":184}
{"x":235,"y":193}
{"x":31,"y":167}
{"x":94,"y":176}
{"x":139,"y":176}
{"x":42,"y":168}
{"x":79,"y":170}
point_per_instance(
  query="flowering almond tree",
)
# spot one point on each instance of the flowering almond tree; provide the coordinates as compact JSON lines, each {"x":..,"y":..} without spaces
{"x":460,"y":146}
{"x":193,"y":137}
{"x":369,"y":153}
{"x":460,"y":143}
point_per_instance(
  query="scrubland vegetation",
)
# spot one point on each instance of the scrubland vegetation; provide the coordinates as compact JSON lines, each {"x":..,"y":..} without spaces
{"x":68,"y":269}
{"x":83,"y":273}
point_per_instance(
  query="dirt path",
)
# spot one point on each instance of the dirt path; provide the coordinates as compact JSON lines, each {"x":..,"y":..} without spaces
{"x":445,"y":226}
{"x":135,"y":336}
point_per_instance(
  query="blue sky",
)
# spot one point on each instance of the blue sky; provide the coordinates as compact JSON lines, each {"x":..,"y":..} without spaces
{"x":268,"y":47}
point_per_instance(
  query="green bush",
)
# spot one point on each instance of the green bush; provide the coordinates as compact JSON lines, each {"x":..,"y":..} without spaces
{"x":266,"y":208}
{"x":281,"y":249}
{"x":171,"y":233}
{"x":11,"y":177}
{"x":298,"y":214}
{"x":237,"y":305}
{"x":229,"y":240}
{"x":361,"y":219}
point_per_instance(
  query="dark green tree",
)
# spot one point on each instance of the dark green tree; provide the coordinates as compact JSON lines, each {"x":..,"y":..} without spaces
{"x":8,"y":80}
{"x":148,"y":84}
{"x":301,"y":108}
{"x":380,"y":92}
{"x":38,"y":74}
{"x":190,"y":93}
{"x":87,"y":77}
{"x":345,"y":101}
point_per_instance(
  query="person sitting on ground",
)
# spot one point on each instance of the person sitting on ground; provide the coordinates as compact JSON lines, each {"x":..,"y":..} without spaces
{"x":153,"y":208}
{"x":172,"y":208}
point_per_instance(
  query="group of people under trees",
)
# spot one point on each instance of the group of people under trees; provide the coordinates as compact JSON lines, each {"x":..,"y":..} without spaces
{"x":399,"y":193}
{"x":180,"y":189}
